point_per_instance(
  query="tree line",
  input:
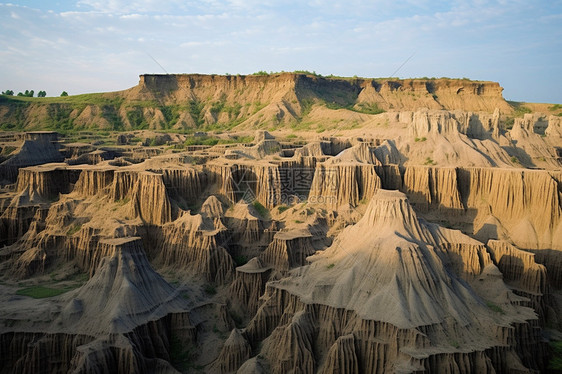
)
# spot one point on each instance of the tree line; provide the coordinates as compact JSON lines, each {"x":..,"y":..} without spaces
{"x":30,"y":93}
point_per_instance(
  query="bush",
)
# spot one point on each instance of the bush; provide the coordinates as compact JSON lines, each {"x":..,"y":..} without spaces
{"x":157,"y":141}
{"x":73,"y":230}
{"x":210,"y":289}
{"x":556,"y":359}
{"x":7,"y":150}
{"x":262,"y":211}
{"x":240,"y":260}
{"x":494,"y":307}
{"x":429,"y":161}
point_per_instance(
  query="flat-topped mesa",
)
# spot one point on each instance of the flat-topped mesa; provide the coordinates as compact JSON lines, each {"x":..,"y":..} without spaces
{"x":184,"y":183}
{"x":245,"y":95}
{"x":524,"y":204}
{"x":248,"y":181}
{"x":289,"y":249}
{"x":435,"y":188}
{"x":387,"y":94}
{"x":94,"y":181}
{"x":249,"y":284}
{"x":47,"y":181}
{"x":347,"y":178}
{"x":442,"y":93}
{"x":150,"y":200}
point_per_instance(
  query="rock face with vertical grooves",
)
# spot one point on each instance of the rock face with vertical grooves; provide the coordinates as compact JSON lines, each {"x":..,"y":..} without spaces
{"x":94,"y":181}
{"x":249,"y":285}
{"x":46,"y":182}
{"x":347,"y":178}
{"x":235,"y":351}
{"x":120,"y":320}
{"x":524,"y":202}
{"x":289,"y":249}
{"x":409,"y":241}
{"x":150,"y":200}
{"x":392,"y":288}
{"x":192,"y":242}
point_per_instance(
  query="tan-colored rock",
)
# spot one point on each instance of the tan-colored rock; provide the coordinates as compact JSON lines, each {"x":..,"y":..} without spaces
{"x":288,"y":249}
{"x":235,"y":351}
{"x":149,"y":199}
{"x":249,"y":285}
{"x":379,"y":284}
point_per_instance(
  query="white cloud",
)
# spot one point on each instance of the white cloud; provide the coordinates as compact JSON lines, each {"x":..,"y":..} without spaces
{"x":109,"y":39}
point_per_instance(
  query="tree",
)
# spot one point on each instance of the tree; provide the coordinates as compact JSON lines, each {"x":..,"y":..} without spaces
{"x":28,"y":93}
{"x":41,"y":94}
{"x":8,"y":92}
{"x":64,"y":93}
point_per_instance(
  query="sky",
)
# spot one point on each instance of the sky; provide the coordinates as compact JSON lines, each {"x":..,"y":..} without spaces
{"x":85,"y":46}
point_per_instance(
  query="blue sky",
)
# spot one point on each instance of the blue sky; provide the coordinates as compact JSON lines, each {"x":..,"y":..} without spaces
{"x":103,"y":45}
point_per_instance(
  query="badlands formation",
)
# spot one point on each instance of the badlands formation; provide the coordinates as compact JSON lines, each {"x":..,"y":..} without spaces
{"x":281,"y":224}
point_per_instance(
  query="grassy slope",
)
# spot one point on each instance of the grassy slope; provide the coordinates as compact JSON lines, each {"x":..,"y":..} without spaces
{"x":59,"y":110}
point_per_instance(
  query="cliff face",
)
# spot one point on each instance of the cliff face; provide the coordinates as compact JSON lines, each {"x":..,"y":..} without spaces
{"x":376,"y":303}
{"x":188,"y":101}
{"x":522,"y":204}
{"x":302,"y":247}
{"x":121,"y":321}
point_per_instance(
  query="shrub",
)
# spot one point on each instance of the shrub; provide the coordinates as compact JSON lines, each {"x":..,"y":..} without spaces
{"x":429,"y":161}
{"x":556,"y":359}
{"x":7,"y":150}
{"x":262,"y":211}
{"x":240,"y":260}
{"x":494,"y":307}
{"x":210,"y":289}
{"x":74,"y":229}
